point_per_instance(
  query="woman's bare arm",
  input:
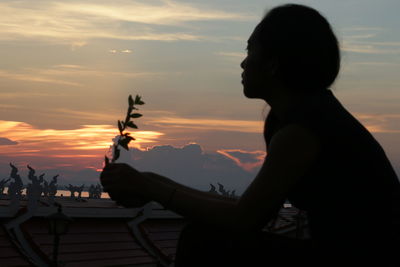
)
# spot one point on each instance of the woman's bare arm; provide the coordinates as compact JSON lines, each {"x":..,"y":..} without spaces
{"x":170,"y":183}
{"x":292,"y":151}
{"x":196,"y":205}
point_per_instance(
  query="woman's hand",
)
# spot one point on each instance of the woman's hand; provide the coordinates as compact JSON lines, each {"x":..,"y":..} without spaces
{"x":125,"y":185}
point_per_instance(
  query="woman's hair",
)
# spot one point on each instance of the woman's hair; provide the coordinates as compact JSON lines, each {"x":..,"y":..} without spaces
{"x":300,"y":41}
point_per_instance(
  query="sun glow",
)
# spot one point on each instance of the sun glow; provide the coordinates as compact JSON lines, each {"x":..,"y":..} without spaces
{"x":93,"y":139}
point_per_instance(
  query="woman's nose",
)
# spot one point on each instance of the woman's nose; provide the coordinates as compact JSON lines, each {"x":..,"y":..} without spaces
{"x":243,"y":64}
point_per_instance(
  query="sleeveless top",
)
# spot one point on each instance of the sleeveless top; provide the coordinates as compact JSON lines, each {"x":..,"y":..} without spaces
{"x":351,"y":193}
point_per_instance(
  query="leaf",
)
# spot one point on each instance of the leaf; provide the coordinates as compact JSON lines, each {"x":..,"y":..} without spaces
{"x":132,"y":125}
{"x":138,"y":98}
{"x":130,"y":138}
{"x":106,"y":160}
{"x":120,"y":127}
{"x":124,"y":142}
{"x":130,"y":101}
{"x":136,"y":115}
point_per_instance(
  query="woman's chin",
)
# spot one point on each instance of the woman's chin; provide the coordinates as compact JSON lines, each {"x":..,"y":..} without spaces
{"x":250,"y":93}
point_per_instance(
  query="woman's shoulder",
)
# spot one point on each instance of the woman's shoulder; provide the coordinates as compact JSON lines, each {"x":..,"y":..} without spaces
{"x":299,"y":124}
{"x":321,"y":115}
{"x":296,"y":131}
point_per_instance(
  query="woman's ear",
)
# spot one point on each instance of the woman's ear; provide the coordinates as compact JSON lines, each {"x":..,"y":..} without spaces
{"x":274,"y":67}
{"x":271,"y":68}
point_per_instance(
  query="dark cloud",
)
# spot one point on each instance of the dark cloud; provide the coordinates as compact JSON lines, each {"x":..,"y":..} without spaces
{"x":6,"y":142}
{"x":188,"y":165}
{"x":191,"y":166}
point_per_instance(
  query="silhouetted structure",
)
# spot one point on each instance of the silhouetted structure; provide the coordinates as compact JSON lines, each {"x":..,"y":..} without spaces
{"x":45,"y":188}
{"x":53,"y":186}
{"x":213,"y":190}
{"x":77,"y":189}
{"x":72,"y":190}
{"x":91,"y":191}
{"x":50,"y":189}
{"x":95,"y":191}
{"x":34,"y":189}
{"x":3,"y":184}
{"x":222,"y":191}
{"x":15,"y":188}
{"x":98,"y":191}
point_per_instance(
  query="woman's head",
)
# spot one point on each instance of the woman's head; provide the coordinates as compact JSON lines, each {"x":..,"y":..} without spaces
{"x":295,"y":46}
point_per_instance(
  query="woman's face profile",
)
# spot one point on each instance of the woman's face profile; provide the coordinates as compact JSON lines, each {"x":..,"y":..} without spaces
{"x":256,"y":75}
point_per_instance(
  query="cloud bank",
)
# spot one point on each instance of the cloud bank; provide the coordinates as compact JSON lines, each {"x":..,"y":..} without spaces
{"x":75,"y":22}
{"x":191,"y":166}
{"x":188,"y":165}
{"x":363,"y":40}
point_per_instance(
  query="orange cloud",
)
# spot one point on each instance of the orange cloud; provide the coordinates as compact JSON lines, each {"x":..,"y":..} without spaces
{"x":89,"y":141}
{"x":380,"y":123}
{"x":248,"y":160}
{"x":210,"y":124}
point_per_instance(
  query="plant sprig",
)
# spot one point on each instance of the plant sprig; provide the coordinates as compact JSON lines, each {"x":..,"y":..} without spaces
{"x":124,"y":137}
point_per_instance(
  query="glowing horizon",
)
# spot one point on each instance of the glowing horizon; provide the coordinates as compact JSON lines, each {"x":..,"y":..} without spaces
{"x":68,"y":66}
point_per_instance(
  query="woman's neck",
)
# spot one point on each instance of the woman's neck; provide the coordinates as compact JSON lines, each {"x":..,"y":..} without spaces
{"x":284,"y":100}
{"x":282,"y":103}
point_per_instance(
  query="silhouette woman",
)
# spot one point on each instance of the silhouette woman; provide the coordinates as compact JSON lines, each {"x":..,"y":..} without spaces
{"x":319,"y":157}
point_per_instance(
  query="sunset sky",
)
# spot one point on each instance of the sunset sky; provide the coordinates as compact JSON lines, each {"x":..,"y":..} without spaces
{"x":67,"y":68}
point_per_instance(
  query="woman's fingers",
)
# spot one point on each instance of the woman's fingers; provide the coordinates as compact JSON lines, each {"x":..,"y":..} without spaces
{"x":109,"y":176}
{"x":121,"y":170}
{"x":118,"y":181}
